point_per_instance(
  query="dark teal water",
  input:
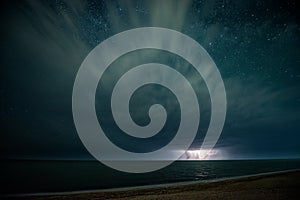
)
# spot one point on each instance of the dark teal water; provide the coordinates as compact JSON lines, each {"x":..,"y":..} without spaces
{"x":60,"y":176}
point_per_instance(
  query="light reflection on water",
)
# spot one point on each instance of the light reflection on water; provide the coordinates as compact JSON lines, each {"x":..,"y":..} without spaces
{"x":57,"y":176}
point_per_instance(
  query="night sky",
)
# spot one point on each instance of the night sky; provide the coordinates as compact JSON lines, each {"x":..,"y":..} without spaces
{"x":255,"y":45}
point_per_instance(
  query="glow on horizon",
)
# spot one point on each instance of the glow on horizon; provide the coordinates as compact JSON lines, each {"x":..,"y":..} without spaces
{"x":214,"y":154}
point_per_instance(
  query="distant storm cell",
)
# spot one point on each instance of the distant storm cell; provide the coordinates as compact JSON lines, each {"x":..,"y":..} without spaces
{"x":103,"y":55}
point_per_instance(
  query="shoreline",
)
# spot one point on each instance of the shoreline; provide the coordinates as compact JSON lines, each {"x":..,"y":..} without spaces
{"x":144,"y":190}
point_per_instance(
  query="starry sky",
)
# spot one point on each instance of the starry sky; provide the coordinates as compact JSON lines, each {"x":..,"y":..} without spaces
{"x":255,"y":45}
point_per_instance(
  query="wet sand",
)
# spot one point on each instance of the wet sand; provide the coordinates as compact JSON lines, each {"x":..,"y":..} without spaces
{"x":281,"y":185}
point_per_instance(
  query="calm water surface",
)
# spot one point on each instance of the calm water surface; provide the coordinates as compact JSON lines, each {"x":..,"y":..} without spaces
{"x":20,"y":176}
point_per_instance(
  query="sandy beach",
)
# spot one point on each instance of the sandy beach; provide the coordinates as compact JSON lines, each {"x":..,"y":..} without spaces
{"x":281,"y":185}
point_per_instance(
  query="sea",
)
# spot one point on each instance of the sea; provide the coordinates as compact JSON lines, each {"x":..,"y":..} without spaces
{"x":47,"y":176}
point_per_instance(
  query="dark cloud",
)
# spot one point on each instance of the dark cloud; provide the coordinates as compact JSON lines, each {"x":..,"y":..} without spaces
{"x":255,"y":45}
